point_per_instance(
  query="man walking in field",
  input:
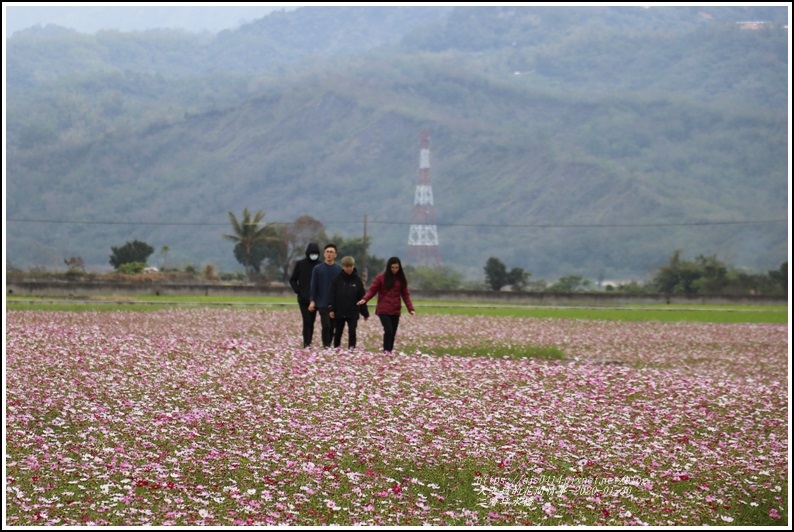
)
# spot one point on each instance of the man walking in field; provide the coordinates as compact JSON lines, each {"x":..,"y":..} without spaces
{"x":322,"y":276}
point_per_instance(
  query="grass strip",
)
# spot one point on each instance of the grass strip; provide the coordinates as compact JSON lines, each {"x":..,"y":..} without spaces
{"x":661,"y":313}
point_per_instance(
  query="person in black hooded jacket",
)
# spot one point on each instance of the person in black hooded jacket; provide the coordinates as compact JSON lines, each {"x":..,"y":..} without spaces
{"x":300,"y":282}
{"x":346,"y":290}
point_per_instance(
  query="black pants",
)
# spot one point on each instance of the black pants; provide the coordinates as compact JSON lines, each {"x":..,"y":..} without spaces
{"x":390,"y":324}
{"x":339,"y":328}
{"x":308,"y":323}
{"x":327,"y":325}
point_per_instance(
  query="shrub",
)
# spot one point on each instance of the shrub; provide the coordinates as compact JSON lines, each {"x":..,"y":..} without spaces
{"x":132,"y":268}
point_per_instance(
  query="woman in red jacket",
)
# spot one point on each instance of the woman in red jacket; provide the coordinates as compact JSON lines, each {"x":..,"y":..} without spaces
{"x":390,"y":286}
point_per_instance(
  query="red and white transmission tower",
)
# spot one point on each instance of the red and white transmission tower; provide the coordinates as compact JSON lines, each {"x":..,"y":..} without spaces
{"x":423,"y":236}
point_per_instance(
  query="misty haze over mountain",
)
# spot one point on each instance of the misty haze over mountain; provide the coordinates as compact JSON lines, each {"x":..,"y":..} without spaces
{"x":90,"y":19}
{"x":591,"y":141}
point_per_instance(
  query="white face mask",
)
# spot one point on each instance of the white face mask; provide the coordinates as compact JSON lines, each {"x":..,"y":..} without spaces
{"x":314,"y":256}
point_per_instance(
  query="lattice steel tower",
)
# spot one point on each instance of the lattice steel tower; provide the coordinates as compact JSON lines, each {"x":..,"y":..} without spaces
{"x":423,"y":235}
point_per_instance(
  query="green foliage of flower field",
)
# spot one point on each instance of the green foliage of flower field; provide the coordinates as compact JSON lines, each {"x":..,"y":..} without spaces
{"x":216,"y":416}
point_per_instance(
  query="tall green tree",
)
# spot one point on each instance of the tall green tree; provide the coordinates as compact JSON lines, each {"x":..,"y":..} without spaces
{"x":495,"y":273}
{"x":135,"y":251}
{"x":518,"y":279}
{"x":497,"y":276}
{"x":678,"y":277}
{"x":164,"y":251}
{"x":713,"y":275}
{"x":779,"y":277}
{"x":249,"y":237}
{"x":259,"y":258}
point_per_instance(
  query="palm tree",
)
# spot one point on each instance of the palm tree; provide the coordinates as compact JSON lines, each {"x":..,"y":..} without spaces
{"x":164,"y":250}
{"x":249,"y":235}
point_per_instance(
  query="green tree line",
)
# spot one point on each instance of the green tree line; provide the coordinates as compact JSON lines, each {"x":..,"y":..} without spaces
{"x":270,"y":250}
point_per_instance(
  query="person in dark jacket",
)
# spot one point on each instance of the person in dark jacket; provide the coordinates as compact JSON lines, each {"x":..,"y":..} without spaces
{"x":346,"y":290}
{"x":322,"y":276}
{"x":300,"y":283}
{"x":391,"y":286}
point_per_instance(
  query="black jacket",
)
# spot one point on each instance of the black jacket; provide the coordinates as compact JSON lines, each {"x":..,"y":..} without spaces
{"x":346,"y":291}
{"x":302,"y":274}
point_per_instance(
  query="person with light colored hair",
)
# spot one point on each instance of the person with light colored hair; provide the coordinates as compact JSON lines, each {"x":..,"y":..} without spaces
{"x":346,"y":290}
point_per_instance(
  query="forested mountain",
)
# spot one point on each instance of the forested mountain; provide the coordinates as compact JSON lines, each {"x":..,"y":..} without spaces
{"x":590,"y":141}
{"x":125,"y":16}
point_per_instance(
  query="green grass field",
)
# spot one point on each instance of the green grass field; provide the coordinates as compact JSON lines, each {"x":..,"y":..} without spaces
{"x":658,"y":312}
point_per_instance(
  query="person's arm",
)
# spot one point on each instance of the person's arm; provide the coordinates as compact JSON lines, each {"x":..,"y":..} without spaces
{"x":406,"y":295}
{"x":313,"y":290}
{"x":293,"y":280}
{"x":363,"y":310}
{"x":332,"y":297}
{"x":373,"y":289}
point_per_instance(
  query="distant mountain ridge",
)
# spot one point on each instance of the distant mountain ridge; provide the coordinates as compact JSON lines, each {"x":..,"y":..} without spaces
{"x":546,"y":153}
{"x":89,"y":19}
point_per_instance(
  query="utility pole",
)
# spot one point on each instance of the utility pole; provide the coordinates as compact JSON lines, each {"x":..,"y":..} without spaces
{"x":364,"y":258}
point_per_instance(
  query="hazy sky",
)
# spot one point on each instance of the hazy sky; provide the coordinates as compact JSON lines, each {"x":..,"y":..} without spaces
{"x":190,"y":16}
{"x":131,"y":16}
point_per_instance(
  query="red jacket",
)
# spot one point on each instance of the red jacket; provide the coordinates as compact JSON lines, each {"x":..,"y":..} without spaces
{"x":389,"y":300}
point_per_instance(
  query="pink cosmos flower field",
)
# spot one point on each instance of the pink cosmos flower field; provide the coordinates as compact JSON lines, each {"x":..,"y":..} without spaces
{"x":217,"y":417}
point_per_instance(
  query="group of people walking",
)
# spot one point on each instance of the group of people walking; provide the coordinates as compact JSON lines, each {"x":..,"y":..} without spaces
{"x":338,"y":295}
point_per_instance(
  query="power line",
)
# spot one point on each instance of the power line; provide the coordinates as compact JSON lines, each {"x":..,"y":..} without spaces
{"x":543,"y":226}
{"x":385,"y":222}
